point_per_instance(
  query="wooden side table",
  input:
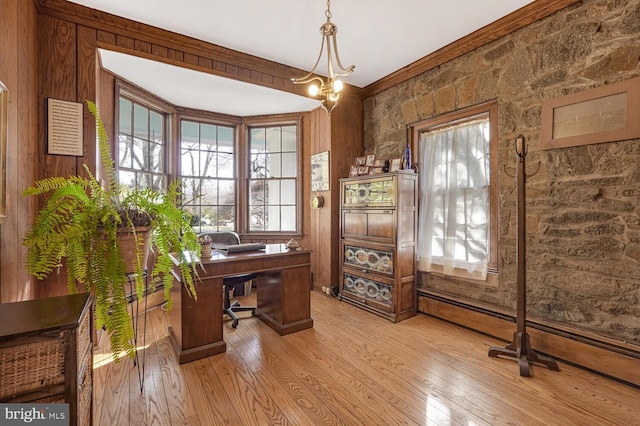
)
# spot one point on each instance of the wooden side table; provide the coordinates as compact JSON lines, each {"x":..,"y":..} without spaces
{"x":46,"y":353}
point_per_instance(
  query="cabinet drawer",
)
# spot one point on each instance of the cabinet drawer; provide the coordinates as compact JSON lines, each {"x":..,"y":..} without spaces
{"x":369,"y":258}
{"x":376,"y":225}
{"x":373,"y":292}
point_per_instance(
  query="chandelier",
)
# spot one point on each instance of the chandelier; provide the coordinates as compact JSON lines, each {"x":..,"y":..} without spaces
{"x":328,"y":90}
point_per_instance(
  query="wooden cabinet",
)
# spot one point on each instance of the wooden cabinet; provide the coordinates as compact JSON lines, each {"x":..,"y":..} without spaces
{"x":46,"y":354}
{"x":378,"y":231}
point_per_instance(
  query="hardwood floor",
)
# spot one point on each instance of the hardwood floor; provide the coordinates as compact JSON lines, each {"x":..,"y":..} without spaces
{"x":351,"y":368}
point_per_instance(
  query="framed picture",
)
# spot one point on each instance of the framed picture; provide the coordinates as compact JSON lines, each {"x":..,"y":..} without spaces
{"x":64,"y":127}
{"x":602,"y":114}
{"x":363,"y":170}
{"x":378,"y":163}
{"x":376,"y":170}
{"x":360,"y":161}
{"x":370,"y":160}
{"x":354,"y":171}
{"x":394,"y":166}
{"x":320,"y":171}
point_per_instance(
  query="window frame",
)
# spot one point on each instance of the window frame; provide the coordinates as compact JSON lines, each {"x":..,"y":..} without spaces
{"x":489,"y":109}
{"x":199,"y":119}
{"x":294,"y":119}
{"x":135,"y":95}
{"x":174,"y":115}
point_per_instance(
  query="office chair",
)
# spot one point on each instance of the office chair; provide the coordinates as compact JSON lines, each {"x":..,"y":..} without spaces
{"x":227,"y":238}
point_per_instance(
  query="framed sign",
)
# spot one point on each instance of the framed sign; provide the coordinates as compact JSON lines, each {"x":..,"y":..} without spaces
{"x":320,"y":171}
{"x":603,"y":114}
{"x":64,"y":128}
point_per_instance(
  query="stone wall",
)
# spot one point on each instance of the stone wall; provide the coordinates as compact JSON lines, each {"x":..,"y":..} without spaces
{"x":583,"y":208}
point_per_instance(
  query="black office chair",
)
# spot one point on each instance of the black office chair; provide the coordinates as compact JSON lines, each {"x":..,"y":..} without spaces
{"x":228,"y":238}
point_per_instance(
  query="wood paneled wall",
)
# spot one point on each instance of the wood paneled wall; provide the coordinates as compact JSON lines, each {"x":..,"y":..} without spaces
{"x":69,"y":36}
{"x":18,"y":56}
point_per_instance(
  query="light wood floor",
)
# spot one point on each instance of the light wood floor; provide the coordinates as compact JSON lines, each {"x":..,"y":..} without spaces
{"x":352,"y":368}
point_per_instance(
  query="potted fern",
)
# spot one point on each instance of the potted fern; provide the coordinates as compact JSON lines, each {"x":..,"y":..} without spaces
{"x":83,"y":222}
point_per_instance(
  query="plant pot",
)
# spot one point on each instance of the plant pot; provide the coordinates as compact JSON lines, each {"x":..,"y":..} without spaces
{"x":206,"y":250}
{"x":127,"y":244}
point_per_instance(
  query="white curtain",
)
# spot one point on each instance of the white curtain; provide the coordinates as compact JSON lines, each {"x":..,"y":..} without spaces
{"x":454,"y":207}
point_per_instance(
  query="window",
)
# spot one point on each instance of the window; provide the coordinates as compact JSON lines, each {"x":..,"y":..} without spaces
{"x":458,"y":212}
{"x":141,"y":146}
{"x":238,"y":174}
{"x":207,"y":171}
{"x":273,"y":183}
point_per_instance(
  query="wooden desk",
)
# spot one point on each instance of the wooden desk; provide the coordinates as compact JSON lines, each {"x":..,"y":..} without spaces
{"x":283,"y":299}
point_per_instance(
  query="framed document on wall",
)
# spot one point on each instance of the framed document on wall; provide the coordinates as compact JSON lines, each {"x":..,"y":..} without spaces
{"x":320,"y":171}
{"x":64,"y":128}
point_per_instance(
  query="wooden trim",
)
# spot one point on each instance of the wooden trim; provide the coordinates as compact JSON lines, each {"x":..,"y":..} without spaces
{"x":134,"y":38}
{"x":597,"y":355}
{"x":520,"y":18}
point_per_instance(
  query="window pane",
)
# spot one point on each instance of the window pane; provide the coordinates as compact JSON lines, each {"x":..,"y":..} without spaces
{"x":226,"y":167}
{"x":189,"y":191}
{"x":273,"y":139}
{"x":140,"y":121}
{"x":207,"y":137}
{"x":139,"y":157}
{"x":289,"y":139}
{"x":225,"y":139}
{"x":288,"y":219}
{"x":124,"y":151}
{"x":272,"y":192}
{"x":275,"y":165}
{"x":208,"y":163}
{"x":124,"y":120}
{"x":258,"y":166}
{"x":156,"y":127}
{"x":288,"y":191}
{"x":257,"y":140}
{"x":257,"y":218}
{"x":272,"y":221}
{"x":227,"y":194}
{"x":188,"y":165}
{"x":289,"y":164}
{"x":189,"y":134}
{"x":157,"y":157}
{"x":126,"y":178}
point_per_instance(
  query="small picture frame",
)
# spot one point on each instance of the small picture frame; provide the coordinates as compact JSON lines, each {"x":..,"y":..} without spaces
{"x":360,"y":161}
{"x":378,"y":163}
{"x":353,"y":171}
{"x":376,"y":170}
{"x":370,"y":160}
{"x":363,"y":170}
{"x":394,"y":166}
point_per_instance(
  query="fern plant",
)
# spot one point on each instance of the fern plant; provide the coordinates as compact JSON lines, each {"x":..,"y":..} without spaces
{"x":80,"y":224}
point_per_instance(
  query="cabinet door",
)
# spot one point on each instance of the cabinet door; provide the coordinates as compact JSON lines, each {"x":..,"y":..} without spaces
{"x":371,"y":224}
{"x":372,"y":291}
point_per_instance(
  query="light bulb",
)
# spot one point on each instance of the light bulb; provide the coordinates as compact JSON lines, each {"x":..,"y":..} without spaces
{"x":337,"y":86}
{"x":314,"y":90}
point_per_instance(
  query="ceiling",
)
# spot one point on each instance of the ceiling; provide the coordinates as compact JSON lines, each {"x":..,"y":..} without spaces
{"x":376,"y":35}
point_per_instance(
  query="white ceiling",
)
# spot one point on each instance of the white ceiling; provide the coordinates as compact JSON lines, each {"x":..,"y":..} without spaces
{"x":378,"y":36}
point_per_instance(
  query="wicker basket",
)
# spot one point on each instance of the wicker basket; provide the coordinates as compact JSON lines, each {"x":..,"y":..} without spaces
{"x":31,"y":364}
